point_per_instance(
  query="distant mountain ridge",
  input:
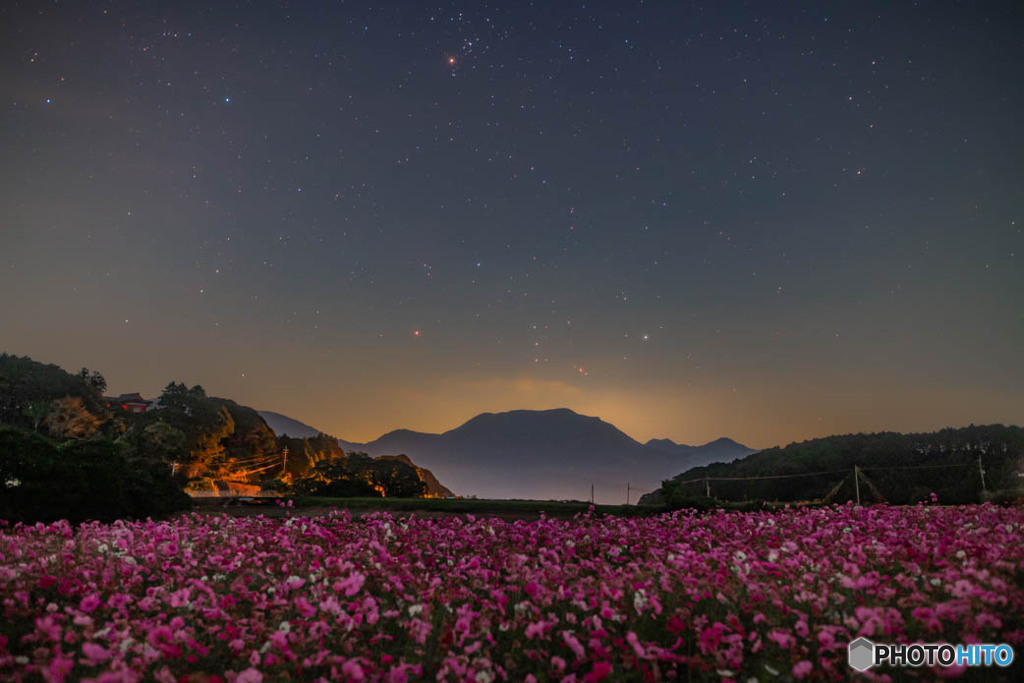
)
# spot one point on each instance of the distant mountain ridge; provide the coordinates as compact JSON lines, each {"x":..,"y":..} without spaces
{"x":285,"y":426}
{"x":543,"y":454}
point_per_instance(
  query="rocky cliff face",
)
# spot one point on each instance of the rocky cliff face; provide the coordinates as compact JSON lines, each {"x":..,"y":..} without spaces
{"x":434,"y":488}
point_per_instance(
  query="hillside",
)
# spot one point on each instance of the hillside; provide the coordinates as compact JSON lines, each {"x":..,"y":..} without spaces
{"x":897,"y":468}
{"x":549,"y":454}
{"x":286,"y":426}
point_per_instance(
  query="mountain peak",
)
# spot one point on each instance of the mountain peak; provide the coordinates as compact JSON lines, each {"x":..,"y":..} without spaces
{"x":547,"y":425}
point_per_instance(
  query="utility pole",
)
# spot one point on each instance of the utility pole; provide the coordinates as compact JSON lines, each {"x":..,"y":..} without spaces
{"x":981,"y":470}
{"x":707,"y":487}
{"x":627,"y":493}
{"x":856,"y":482}
{"x":284,"y":463}
{"x":591,"y":494}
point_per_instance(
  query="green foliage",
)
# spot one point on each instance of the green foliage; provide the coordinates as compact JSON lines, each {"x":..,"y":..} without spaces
{"x":204,"y":422}
{"x":305,"y":454}
{"x":250,"y":437}
{"x":37,"y":410}
{"x":27,"y":467}
{"x":359,"y":475}
{"x":278,"y":485}
{"x":69,"y":419}
{"x":80,"y":480}
{"x":94,"y":380}
{"x":155,"y":440}
{"x":26,"y":384}
{"x":897,"y":468}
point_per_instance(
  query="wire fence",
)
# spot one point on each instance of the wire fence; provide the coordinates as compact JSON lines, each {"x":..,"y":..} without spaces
{"x":970,"y":484}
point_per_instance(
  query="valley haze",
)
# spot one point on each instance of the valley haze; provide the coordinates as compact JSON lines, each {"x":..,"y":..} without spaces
{"x":537,"y":454}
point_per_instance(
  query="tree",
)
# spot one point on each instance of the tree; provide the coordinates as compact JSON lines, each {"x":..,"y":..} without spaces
{"x":358,"y":474}
{"x":158,"y":441}
{"x":69,"y":419}
{"x":80,"y":480}
{"x":23,"y":382}
{"x":397,"y":479}
{"x":37,"y":410}
{"x":93,"y":381}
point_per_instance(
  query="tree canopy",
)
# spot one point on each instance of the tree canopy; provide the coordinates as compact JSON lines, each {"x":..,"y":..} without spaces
{"x":897,"y":468}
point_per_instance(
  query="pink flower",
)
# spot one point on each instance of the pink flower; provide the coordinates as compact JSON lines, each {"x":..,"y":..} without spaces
{"x":802,"y":668}
{"x":601,"y":671}
{"x":250,"y":675}
{"x":352,"y":669}
{"x":573,"y":644}
{"x":535,"y":630}
{"x":60,"y":666}
{"x":90,"y":602}
{"x":783,"y":639}
{"x":95,"y":654}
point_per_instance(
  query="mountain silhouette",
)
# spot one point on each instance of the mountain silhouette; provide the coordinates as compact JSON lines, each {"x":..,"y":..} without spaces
{"x":282,"y":425}
{"x":547,"y":454}
{"x":286,"y":426}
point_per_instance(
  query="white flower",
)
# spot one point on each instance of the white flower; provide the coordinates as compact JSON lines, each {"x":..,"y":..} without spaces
{"x":284,"y":627}
{"x":484,"y":677}
{"x":415,"y":609}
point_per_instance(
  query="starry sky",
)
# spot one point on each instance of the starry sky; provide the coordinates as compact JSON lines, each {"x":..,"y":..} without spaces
{"x":763,"y":220}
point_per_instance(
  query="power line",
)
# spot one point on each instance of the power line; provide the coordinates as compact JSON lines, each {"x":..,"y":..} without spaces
{"x":914,"y":467}
{"x":766,"y":476}
{"x":254,"y":471}
{"x":825,"y":472}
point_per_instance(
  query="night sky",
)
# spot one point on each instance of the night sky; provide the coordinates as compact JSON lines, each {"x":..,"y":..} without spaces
{"x":768,"y":221}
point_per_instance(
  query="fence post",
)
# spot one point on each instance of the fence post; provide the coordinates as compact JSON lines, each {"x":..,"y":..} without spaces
{"x":856,"y":482}
{"x":981,"y":470}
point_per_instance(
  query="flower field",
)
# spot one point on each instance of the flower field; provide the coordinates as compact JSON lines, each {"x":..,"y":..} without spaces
{"x":768,"y":595}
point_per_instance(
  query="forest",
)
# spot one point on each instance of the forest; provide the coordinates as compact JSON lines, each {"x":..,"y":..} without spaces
{"x":964,"y":465}
{"x":68,"y":452}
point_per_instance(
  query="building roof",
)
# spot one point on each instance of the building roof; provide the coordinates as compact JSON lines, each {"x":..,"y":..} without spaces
{"x":127,"y":398}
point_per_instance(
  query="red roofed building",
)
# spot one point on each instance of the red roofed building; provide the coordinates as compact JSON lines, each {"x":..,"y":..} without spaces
{"x":133,"y":403}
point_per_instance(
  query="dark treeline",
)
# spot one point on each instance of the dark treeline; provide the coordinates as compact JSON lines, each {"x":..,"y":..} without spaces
{"x":64,"y":456}
{"x":67,"y":452}
{"x":895,"y":468}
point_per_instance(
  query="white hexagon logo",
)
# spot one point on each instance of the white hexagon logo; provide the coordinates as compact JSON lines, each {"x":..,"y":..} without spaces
{"x":862,"y":654}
